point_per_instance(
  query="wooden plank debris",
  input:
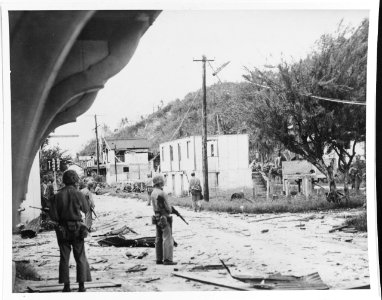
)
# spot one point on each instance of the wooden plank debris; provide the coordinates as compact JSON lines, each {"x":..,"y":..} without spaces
{"x":202,"y":280}
{"x":137,"y":268}
{"x":204,"y":268}
{"x":50,"y":288}
{"x":266,"y":219}
{"x":120,"y":231}
{"x":337,"y":228}
{"x":349,"y":230}
{"x":151,"y":279}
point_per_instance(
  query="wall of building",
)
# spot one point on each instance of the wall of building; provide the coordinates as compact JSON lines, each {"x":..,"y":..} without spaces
{"x":33,"y":196}
{"x":228,"y":164}
{"x":135,"y":167}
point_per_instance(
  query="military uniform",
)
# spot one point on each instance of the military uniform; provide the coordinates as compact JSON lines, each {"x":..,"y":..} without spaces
{"x":66,"y":207}
{"x":196,"y":193}
{"x":164,"y":243}
{"x":88,"y":216}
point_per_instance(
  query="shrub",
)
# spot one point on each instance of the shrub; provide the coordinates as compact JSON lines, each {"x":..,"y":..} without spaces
{"x":358,"y":222}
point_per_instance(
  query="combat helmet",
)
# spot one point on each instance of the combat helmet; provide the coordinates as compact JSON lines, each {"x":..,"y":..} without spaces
{"x":157,"y":179}
{"x":70,"y":177}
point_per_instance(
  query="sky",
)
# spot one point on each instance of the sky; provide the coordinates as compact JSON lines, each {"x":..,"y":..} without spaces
{"x":162,"y":67}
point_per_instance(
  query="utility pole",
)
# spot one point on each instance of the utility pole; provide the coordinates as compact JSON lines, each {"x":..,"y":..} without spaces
{"x":115,"y":162}
{"x":204,"y":131}
{"x":96,"y":132}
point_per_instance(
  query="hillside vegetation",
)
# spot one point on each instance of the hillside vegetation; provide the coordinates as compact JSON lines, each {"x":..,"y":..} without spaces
{"x":226,"y":109}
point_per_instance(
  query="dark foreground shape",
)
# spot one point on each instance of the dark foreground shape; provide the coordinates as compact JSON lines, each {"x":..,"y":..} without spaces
{"x":120,"y":241}
{"x":31,"y":229}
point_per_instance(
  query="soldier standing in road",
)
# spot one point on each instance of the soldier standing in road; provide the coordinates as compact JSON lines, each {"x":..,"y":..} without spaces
{"x":65,"y":210}
{"x":89,"y":198}
{"x":44,"y":189}
{"x":196,"y":192}
{"x":164,"y":243}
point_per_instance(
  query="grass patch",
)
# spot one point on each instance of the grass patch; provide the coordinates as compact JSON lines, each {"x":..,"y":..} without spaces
{"x":220,"y":201}
{"x":26,"y":271}
{"x":358,"y":222}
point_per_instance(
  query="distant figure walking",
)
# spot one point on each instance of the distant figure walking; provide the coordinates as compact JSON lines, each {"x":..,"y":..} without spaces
{"x":196,"y":192}
{"x":66,"y":207}
{"x":89,"y":198}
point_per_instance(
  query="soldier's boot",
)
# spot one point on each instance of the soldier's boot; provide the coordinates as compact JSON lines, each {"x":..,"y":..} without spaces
{"x":81,"y":287}
{"x":66,"y":288}
{"x":169,"y":263}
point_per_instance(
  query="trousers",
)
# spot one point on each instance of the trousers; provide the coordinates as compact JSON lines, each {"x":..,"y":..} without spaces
{"x":196,"y":201}
{"x":78,"y":245}
{"x":164,"y":243}
{"x":88,"y":220}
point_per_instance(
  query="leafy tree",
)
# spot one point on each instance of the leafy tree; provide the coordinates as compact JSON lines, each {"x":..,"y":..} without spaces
{"x":285,"y":106}
{"x":48,"y":153}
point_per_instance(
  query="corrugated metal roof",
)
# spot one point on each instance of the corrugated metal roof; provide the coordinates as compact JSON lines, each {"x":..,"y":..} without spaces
{"x":122,"y":144}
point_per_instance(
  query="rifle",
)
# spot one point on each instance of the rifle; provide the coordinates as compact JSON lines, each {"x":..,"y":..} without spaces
{"x":45,"y":209}
{"x":93,"y":212}
{"x":175,"y":212}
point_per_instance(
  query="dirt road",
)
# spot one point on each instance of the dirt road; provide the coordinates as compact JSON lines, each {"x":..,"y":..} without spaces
{"x":292,"y":244}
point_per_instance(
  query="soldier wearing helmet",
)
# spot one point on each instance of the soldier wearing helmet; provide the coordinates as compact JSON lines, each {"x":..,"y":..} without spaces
{"x":164,"y":243}
{"x":87,"y":191}
{"x":66,"y":207}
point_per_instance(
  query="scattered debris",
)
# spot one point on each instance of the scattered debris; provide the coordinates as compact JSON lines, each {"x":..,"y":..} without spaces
{"x":142,"y":255}
{"x":31,"y":229}
{"x":363,"y":287}
{"x":208,"y":268}
{"x":312,"y":217}
{"x":335,"y":228}
{"x":349,"y":230}
{"x":102,"y":260}
{"x":151,"y":279}
{"x":137,"y":268}
{"x":283,"y":282}
{"x":201,"y":280}
{"x":121,"y":241}
{"x":264,"y":230}
{"x":260,"y":220}
{"x":29,"y":245}
{"x":50,"y":288}
{"x":123,"y":230}
{"x":44,"y":262}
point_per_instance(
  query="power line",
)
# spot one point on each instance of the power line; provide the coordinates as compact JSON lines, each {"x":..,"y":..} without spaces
{"x":319,"y":97}
{"x":336,"y":100}
{"x":185,"y":115}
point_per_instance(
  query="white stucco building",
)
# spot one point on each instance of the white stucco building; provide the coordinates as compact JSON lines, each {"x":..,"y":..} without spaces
{"x":228,"y":166}
{"x":126,"y":160}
